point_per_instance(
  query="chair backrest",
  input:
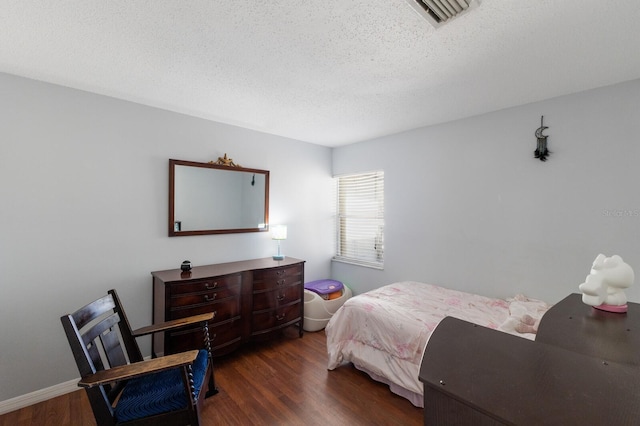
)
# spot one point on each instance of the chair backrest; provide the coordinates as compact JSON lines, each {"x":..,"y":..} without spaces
{"x":100,"y":338}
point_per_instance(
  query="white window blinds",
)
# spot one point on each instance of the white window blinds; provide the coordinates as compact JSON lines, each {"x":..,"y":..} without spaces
{"x":360,"y":219}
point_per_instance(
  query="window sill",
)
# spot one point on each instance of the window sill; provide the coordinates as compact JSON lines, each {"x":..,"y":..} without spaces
{"x":358,"y":263}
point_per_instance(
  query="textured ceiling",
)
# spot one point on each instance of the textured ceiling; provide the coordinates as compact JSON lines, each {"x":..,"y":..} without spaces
{"x":329,"y":72}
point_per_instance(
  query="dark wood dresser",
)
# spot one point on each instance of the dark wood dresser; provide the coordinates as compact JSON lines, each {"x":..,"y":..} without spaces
{"x":252,"y":299}
{"x":581,"y":370}
{"x":572,"y":325}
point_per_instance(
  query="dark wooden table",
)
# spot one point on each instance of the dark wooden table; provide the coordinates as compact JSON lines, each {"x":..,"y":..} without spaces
{"x":572,"y":325}
{"x":473,"y":375}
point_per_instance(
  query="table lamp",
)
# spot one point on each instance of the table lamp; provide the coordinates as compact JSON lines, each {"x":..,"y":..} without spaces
{"x":278,"y":232}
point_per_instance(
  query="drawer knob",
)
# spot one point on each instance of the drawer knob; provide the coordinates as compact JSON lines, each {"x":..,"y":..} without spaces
{"x":211,"y":286}
{"x":210,"y":298}
{"x":280,"y":282}
{"x":280,"y":317}
{"x":280,"y":273}
{"x":280,"y":297}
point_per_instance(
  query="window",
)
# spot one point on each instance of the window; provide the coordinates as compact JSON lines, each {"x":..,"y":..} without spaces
{"x":360,"y":219}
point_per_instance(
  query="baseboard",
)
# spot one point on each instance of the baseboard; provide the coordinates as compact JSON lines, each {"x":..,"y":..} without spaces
{"x":38,"y":396}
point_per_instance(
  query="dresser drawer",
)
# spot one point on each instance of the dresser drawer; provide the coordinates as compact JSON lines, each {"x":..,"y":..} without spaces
{"x":224,"y":335}
{"x":269,"y":279}
{"x":205,"y":284}
{"x":224,"y":309}
{"x":275,"y":298}
{"x":220,"y":337}
{"x":280,"y":317}
{"x":204,"y":297}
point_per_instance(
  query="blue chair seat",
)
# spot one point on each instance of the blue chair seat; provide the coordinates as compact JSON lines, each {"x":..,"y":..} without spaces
{"x":159,"y":393}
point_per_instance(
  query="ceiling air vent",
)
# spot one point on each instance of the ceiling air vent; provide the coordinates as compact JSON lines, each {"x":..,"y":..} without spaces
{"x":438,"y":12}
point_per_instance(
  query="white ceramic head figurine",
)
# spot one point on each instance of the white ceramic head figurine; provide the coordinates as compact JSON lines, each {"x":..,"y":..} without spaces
{"x":604,"y":286}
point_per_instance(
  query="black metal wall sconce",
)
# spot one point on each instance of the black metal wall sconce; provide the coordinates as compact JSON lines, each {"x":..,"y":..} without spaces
{"x":541,"y":152}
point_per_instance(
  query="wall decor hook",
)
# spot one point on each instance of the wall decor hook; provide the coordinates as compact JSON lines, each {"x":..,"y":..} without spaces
{"x":541,"y":152}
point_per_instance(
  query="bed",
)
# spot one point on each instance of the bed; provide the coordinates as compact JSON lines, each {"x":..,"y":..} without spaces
{"x":384,"y":332}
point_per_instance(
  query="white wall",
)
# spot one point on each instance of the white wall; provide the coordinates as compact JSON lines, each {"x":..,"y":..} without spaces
{"x":468,"y":207}
{"x":83,"y":190}
{"x":83,"y":193}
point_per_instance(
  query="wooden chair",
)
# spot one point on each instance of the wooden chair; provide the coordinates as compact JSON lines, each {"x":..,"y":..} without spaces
{"x":121,"y":386}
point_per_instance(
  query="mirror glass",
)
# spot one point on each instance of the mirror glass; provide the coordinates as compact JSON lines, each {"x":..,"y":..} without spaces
{"x":207,"y":198}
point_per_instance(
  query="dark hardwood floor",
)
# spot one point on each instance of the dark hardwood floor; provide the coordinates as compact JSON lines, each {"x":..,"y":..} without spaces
{"x":279,"y":382}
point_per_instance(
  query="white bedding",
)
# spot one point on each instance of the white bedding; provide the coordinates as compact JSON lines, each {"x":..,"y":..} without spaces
{"x":384,"y":331}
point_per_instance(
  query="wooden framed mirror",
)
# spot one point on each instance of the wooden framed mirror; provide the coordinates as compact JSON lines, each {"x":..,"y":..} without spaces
{"x":206,"y":198}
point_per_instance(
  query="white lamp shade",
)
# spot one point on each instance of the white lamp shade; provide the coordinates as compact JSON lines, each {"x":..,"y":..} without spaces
{"x":279,"y":232}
